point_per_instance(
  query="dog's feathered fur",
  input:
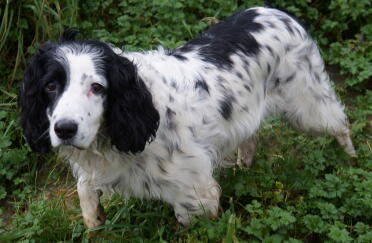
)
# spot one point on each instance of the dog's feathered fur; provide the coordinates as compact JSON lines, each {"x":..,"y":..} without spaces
{"x":155,"y":124}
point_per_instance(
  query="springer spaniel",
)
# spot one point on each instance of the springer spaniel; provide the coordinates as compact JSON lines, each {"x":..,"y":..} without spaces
{"x":155,"y":124}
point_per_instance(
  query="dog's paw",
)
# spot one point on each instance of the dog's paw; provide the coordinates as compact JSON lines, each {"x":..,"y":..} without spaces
{"x":96,"y":218}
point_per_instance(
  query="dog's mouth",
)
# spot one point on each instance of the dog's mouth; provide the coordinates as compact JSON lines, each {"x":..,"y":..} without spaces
{"x":70,"y":143}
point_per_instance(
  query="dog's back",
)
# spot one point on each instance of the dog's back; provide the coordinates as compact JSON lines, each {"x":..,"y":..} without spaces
{"x":218,"y":88}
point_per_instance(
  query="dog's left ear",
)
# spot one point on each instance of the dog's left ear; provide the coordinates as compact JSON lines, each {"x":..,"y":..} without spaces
{"x":131,"y":117}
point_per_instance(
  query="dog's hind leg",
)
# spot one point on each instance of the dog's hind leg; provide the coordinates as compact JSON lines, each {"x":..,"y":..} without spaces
{"x":322,"y":115}
{"x":308,"y":99}
{"x":246,"y":151}
{"x":345,"y":141}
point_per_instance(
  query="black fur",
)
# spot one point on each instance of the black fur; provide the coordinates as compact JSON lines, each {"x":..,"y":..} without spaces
{"x":201,"y":84}
{"x":131,"y":118}
{"x":226,"y":107}
{"x":33,"y":99}
{"x":225,"y":38}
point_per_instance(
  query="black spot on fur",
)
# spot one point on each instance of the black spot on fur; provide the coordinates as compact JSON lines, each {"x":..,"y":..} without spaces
{"x":229,"y":36}
{"x":161,"y":168}
{"x":277,"y":82}
{"x":180,"y":57}
{"x":226,"y":107}
{"x":270,"y":50}
{"x":174,"y":85}
{"x":247,"y":87}
{"x":239,"y":75}
{"x":169,"y":115}
{"x":288,"y":24}
{"x":192,"y":131}
{"x":202,"y":85}
{"x":271,"y":25}
{"x":290,"y":78}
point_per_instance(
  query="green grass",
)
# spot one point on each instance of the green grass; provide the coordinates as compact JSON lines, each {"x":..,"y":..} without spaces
{"x":300,"y":188}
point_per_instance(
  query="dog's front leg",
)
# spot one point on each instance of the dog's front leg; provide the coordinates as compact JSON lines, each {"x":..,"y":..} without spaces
{"x":91,"y":208}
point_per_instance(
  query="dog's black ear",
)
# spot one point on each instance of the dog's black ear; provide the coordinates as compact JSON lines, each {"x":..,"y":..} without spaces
{"x":131,"y":117}
{"x":33,"y":103}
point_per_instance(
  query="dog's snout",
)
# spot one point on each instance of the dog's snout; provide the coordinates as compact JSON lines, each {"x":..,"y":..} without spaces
{"x":65,"y":129}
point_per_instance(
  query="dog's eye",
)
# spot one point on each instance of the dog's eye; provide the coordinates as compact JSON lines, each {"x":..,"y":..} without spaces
{"x":97,"y":88}
{"x":51,"y":86}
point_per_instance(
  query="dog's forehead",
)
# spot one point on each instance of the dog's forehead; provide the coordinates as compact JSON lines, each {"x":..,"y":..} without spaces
{"x":83,"y":65}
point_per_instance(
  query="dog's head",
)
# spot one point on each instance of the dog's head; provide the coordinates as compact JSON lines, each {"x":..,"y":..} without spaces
{"x":75,"y":88}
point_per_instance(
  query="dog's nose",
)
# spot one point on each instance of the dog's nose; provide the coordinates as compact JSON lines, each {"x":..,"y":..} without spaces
{"x":65,"y":129}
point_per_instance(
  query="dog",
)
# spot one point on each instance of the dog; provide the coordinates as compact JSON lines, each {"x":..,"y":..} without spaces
{"x":155,"y":124}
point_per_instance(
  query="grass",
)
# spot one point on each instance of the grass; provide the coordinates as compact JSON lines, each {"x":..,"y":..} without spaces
{"x":300,"y":188}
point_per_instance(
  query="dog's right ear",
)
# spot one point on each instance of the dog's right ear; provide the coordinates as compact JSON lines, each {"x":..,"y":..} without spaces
{"x":34,"y":102}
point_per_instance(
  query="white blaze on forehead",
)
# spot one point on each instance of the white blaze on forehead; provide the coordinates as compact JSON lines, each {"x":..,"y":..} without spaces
{"x":80,"y":65}
{"x":80,"y":61}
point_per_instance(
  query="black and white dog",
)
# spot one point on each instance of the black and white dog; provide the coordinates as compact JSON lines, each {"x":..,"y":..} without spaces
{"x":155,"y":124}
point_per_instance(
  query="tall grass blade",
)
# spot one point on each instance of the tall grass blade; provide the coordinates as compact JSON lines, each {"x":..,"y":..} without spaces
{"x":6,"y":22}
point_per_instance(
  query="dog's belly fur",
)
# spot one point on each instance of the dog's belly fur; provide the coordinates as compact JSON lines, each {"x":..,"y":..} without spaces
{"x":207,"y":110}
